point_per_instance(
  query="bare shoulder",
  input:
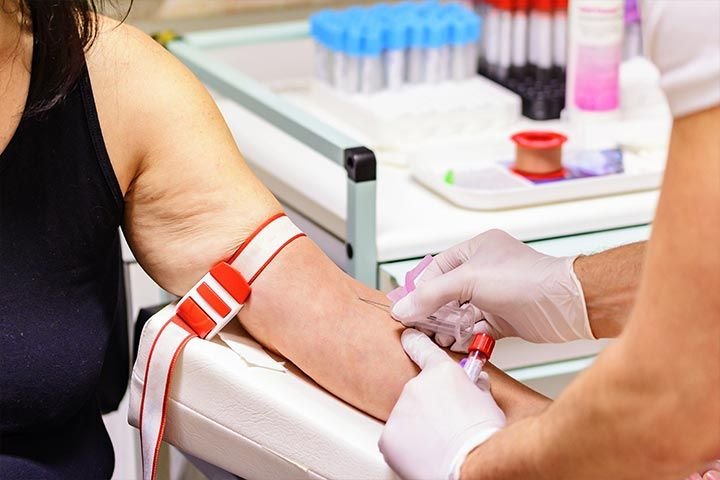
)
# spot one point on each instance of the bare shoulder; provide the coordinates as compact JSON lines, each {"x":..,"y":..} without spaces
{"x":137,"y":85}
{"x":123,"y":52}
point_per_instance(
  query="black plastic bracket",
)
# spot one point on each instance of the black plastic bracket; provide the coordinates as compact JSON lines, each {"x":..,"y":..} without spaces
{"x":360,"y":164}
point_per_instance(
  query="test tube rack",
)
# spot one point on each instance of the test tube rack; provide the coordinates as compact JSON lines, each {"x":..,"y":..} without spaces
{"x":524,"y":48}
{"x":415,"y":113}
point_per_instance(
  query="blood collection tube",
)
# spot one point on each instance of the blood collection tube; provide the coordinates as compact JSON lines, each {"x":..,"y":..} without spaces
{"x":415,"y":52}
{"x":541,"y":40}
{"x":492,"y":38}
{"x":519,"y":61}
{"x":352,"y":60}
{"x":335,"y":36}
{"x":322,"y":54}
{"x":473,"y":32}
{"x":436,"y":51}
{"x":560,"y":18}
{"x":479,"y":353}
{"x":505,"y":37}
{"x":371,"y":68}
{"x":394,"y":54}
{"x":463,"y":36}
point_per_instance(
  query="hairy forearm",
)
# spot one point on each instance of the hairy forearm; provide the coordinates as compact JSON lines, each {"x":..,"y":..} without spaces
{"x":610,"y":280}
{"x":308,"y":310}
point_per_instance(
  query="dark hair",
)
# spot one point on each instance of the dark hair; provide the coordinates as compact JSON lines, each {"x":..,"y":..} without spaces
{"x":63,"y":30}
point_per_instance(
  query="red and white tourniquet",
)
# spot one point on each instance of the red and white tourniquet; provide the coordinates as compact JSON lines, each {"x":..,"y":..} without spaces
{"x":203,"y":312}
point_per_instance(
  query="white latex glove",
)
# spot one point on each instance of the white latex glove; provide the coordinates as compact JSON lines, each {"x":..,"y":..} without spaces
{"x":519,"y":291}
{"x":710,"y":472}
{"x":440,"y":417}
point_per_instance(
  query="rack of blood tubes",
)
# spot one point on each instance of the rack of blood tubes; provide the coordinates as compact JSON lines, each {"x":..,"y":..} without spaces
{"x":524,"y":48}
{"x":383,"y":47}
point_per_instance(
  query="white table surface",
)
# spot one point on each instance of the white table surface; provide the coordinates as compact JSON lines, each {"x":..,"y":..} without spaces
{"x":411,"y":220}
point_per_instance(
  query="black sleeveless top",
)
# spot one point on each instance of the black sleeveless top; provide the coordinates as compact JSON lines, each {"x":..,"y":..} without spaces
{"x":60,"y":208}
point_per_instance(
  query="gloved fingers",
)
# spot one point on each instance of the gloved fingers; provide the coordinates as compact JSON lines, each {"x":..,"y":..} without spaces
{"x":426,"y":331}
{"x":444,"y":340}
{"x":483,"y":326}
{"x":713,"y":471}
{"x":433,"y":270}
{"x":483,"y":381}
{"x":432,"y":294}
{"x":422,"y":350}
{"x":448,"y":260}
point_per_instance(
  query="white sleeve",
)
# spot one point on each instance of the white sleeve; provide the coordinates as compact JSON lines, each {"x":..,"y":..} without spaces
{"x":682,"y":38}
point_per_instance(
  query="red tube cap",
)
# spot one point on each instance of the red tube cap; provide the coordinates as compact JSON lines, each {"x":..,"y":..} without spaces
{"x":538,"y":140}
{"x":505,"y":4}
{"x":483,"y":343}
{"x":543,"y":5}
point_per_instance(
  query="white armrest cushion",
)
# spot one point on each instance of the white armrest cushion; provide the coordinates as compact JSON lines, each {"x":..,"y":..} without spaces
{"x":257,"y":422}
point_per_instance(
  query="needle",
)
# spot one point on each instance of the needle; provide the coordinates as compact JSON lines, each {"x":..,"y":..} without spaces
{"x":386,"y":308}
{"x":382,"y":306}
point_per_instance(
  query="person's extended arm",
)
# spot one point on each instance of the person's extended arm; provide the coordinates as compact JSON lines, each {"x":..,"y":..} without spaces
{"x":648,"y":408}
{"x":191,"y":201}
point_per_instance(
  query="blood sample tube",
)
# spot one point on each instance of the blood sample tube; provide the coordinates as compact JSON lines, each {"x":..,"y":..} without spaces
{"x":505,"y":8}
{"x":479,"y":353}
{"x":560,"y":18}
{"x":415,"y":53}
{"x":519,"y":61}
{"x":492,"y":38}
{"x":436,"y":51}
{"x":353,"y":60}
{"x":371,"y":68}
{"x":542,"y":37}
{"x":394,"y":54}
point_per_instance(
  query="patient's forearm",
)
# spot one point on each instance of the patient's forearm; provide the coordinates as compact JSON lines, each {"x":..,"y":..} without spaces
{"x":518,"y":401}
{"x":309,"y":311}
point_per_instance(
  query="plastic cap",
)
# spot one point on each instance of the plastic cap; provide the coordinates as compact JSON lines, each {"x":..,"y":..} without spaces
{"x":505,"y":4}
{"x":539,"y":140}
{"x":354,"y":41}
{"x":436,"y":33}
{"x":561,"y":4}
{"x":522,"y":4}
{"x":372,"y":40}
{"x":483,"y":343}
{"x":543,"y":5}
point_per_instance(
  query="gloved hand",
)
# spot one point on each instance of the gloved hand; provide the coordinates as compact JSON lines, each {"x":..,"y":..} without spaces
{"x":517,"y":290}
{"x":710,"y":472}
{"x":440,"y":417}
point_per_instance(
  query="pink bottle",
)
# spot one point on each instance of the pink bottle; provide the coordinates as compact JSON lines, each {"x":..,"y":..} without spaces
{"x":595,"y":53}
